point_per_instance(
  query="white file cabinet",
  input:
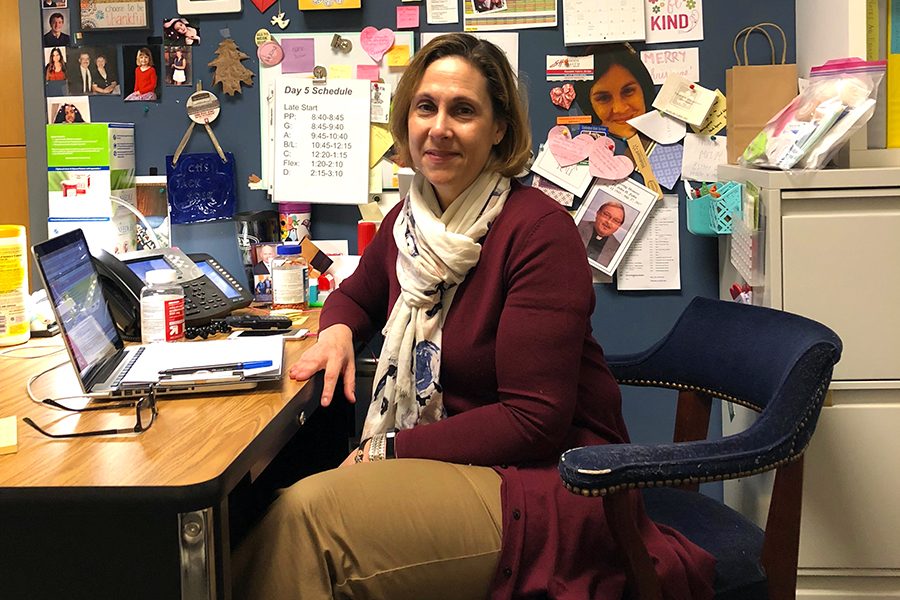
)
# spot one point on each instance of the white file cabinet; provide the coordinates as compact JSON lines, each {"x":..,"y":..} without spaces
{"x":830,"y":250}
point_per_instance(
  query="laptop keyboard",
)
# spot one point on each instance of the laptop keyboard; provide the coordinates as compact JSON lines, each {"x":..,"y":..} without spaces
{"x":124,"y":371}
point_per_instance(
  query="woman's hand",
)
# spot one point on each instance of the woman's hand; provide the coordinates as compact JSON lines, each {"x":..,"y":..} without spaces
{"x":333,"y":353}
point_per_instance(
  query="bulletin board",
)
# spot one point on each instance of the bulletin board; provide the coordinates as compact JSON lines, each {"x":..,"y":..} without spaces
{"x":327,"y":57}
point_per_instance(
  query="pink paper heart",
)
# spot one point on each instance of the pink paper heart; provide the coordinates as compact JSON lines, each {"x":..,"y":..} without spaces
{"x":376,"y":41}
{"x":608,"y":166}
{"x":605,"y":141}
{"x":568,"y":150}
{"x":263,"y":5}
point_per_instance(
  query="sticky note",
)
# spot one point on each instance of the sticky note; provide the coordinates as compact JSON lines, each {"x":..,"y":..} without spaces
{"x":407,"y":17}
{"x":299,"y":55}
{"x":340,"y":72}
{"x":573,"y":120}
{"x":370,"y":212}
{"x":369,"y":72}
{"x":716,"y":119}
{"x":380,"y":140}
{"x":398,"y":56}
{"x":9,"y":442}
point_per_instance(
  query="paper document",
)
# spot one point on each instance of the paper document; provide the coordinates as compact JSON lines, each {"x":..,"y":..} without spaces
{"x":653,"y":261}
{"x":203,"y":354}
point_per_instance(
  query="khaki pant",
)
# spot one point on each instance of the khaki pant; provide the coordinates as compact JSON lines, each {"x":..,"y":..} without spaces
{"x":392,"y":530}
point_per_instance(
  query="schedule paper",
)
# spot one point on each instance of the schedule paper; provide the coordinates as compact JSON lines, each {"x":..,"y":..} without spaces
{"x":321,"y":141}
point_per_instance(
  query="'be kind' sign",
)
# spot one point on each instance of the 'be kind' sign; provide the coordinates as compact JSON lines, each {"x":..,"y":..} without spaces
{"x":673,"y":20}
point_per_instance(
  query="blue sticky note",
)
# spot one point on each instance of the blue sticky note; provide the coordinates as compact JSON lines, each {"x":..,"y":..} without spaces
{"x":201,"y":188}
{"x":299,"y":55}
{"x":665,"y":160}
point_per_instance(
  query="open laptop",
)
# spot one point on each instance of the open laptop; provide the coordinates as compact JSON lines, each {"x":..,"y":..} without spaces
{"x":106,"y":368}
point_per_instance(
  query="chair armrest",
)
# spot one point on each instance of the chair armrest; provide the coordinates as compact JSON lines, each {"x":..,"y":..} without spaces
{"x":603,"y":469}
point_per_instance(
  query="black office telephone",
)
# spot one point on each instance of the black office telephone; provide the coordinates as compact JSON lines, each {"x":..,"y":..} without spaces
{"x":210,"y":292}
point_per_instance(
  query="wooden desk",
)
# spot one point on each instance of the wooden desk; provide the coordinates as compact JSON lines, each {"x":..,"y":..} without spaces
{"x":133,"y":516}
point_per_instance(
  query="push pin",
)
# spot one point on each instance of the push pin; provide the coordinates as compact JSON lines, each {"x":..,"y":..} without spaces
{"x":342,"y":44}
{"x":320,"y":73}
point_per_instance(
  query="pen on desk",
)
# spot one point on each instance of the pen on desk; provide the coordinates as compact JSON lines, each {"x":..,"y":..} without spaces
{"x":236,"y":366}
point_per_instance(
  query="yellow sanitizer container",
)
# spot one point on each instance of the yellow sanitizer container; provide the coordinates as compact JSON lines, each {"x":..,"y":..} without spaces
{"x":14,"y":325}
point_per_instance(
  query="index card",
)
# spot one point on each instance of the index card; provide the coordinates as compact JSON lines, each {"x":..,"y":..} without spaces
{"x":684,"y":100}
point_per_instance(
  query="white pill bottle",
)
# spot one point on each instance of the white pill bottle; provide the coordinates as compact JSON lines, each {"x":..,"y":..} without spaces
{"x":162,"y":308}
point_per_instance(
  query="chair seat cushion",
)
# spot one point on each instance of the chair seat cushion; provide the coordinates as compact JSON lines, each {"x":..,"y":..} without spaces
{"x":734,"y":541}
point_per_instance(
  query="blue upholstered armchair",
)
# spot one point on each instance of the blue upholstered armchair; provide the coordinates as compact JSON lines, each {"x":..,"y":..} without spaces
{"x":775,"y":363}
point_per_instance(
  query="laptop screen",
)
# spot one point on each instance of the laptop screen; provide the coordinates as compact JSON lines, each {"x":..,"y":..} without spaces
{"x":74,"y":290}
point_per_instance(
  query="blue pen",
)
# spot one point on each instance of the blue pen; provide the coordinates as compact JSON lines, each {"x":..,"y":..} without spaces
{"x":237,"y":366}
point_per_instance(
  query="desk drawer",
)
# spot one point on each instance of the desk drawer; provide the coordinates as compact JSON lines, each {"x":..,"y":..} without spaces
{"x":841,"y":266}
{"x":851,"y":516}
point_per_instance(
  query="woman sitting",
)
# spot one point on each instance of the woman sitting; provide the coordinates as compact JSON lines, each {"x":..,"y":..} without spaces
{"x":488,"y":371}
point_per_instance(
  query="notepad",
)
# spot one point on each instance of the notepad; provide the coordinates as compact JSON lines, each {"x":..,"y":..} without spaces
{"x":8,"y":437}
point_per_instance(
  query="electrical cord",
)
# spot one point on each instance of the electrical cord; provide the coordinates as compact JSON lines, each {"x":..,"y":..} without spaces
{"x":9,"y":352}
{"x":150,"y":232}
{"x":33,"y":398}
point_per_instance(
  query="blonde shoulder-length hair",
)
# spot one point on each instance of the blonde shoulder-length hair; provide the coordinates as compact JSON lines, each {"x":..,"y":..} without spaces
{"x":511,"y":154}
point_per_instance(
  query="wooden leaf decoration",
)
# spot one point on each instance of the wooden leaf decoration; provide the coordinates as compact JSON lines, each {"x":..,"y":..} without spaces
{"x":229,"y":72}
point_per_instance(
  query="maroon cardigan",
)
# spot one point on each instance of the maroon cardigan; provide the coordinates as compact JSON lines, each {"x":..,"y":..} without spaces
{"x":523,"y":380}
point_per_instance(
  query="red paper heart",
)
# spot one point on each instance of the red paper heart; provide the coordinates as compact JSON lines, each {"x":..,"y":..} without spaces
{"x":568,"y":150}
{"x":607,"y":166}
{"x":263,"y":5}
{"x":563,"y":96}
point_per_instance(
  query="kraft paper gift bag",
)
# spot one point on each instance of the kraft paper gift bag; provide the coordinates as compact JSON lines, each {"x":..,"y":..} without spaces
{"x":755,"y":93}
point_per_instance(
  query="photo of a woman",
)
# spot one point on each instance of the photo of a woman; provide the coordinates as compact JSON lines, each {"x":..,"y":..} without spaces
{"x":145,"y":80}
{"x":104,"y":74}
{"x":55,"y":69}
{"x":68,"y":113}
{"x":622,"y":89}
{"x":179,"y":32}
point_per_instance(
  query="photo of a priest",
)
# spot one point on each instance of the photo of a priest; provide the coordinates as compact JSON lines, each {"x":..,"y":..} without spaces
{"x":597,"y":235}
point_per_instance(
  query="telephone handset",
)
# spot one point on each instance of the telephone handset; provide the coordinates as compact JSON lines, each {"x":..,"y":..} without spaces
{"x":210,"y":292}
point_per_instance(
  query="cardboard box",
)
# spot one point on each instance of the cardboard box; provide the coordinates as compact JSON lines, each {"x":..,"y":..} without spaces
{"x":87,"y":163}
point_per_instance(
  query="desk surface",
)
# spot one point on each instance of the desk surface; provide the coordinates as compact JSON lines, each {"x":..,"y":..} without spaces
{"x":197,"y":450}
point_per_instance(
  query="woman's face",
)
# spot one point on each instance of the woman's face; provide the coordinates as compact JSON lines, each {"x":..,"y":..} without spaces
{"x":56,"y":56}
{"x":616,"y":97}
{"x":452,"y":128}
{"x":101,"y":62}
{"x":70,"y":113}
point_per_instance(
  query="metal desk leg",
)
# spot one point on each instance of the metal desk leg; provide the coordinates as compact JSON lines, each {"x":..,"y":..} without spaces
{"x":196,"y":543}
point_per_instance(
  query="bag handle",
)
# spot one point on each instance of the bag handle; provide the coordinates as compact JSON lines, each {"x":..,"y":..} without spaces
{"x":759,"y":27}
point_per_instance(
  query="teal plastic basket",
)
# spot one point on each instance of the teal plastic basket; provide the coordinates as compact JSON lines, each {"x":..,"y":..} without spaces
{"x":726,"y":208}
{"x":698,"y":221}
{"x":712,"y":216}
